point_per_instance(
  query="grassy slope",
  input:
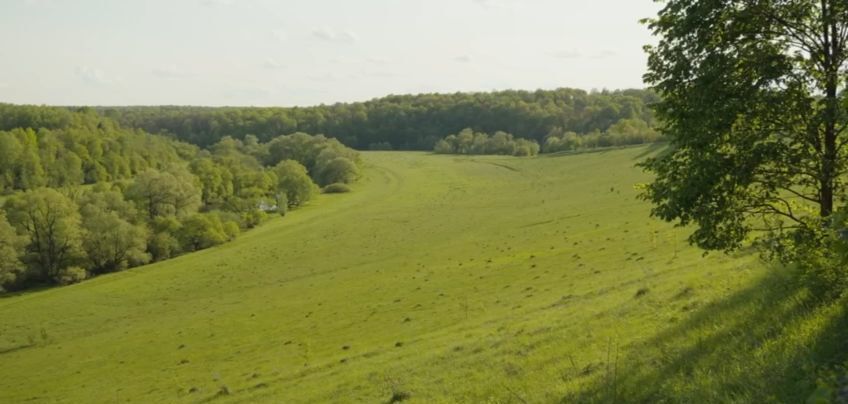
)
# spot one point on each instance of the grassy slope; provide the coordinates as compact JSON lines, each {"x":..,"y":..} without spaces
{"x":447,"y":278}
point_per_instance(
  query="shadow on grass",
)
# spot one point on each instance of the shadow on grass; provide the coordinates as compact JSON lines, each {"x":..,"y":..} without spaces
{"x":28,"y":290}
{"x":654,"y":148}
{"x":600,"y":150}
{"x":762,"y":344}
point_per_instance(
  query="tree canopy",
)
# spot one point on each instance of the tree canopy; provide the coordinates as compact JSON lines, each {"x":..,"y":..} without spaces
{"x":754,"y":107}
{"x":401,"y":122}
{"x":87,"y":196}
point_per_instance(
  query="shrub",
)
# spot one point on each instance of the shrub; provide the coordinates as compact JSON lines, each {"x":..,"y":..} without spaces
{"x":163,"y":245}
{"x":282,"y":204}
{"x":204,"y":230}
{"x":294,"y":182}
{"x":71,"y":275}
{"x":252,"y":218}
{"x":501,"y":143}
{"x":443,"y":147}
{"x":336,"y":188}
{"x":339,"y":169}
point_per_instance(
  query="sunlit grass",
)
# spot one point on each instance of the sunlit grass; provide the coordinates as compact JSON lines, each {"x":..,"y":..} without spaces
{"x":438,"y":279}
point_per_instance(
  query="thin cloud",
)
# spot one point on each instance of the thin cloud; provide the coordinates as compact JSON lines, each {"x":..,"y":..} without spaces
{"x":463,"y":59}
{"x":279,"y":35}
{"x":378,"y":61}
{"x":273,"y":64}
{"x":171,"y":73}
{"x":326,"y":77}
{"x":92,"y":76}
{"x":567,"y":54}
{"x":604,"y":54}
{"x":40,"y":2}
{"x":246,"y":92}
{"x":327,"y":34}
{"x":499,"y":4}
{"x":216,"y":3}
{"x":379,"y":75}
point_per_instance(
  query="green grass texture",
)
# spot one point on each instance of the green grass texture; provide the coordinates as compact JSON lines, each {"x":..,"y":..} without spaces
{"x":439,"y":279}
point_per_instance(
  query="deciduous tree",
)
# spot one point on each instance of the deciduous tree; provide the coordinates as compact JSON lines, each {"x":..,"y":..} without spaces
{"x":50,"y":221}
{"x":755,"y":110}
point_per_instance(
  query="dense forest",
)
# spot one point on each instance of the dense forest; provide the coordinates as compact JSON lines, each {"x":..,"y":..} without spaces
{"x":83,"y":196}
{"x":406,"y":122}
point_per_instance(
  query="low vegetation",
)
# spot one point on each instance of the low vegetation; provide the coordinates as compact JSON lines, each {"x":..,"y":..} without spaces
{"x":555,"y":287}
{"x":501,"y":143}
{"x":624,"y":133}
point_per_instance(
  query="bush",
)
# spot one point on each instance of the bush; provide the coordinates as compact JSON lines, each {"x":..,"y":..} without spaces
{"x":337,"y":169}
{"x":282,"y":204}
{"x":294,"y":182}
{"x":71,"y":275}
{"x":252,"y":218}
{"x":443,"y":147}
{"x":204,"y":230}
{"x":163,"y":246}
{"x":501,"y":143}
{"x":336,"y":188}
{"x":624,"y":132}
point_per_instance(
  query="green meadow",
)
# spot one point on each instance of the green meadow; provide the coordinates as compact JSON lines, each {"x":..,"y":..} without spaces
{"x":438,"y":279}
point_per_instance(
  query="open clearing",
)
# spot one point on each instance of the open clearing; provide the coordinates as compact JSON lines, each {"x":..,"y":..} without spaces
{"x":440,"y":279}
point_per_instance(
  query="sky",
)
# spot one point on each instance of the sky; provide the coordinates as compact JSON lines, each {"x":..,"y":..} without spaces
{"x":288,"y":53}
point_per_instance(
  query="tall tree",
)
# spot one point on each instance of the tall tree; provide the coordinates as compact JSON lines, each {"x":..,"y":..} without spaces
{"x":51,"y":222}
{"x":294,"y":183}
{"x":755,"y":111}
{"x":110,"y":240}
{"x":11,"y":245}
{"x":165,"y":193}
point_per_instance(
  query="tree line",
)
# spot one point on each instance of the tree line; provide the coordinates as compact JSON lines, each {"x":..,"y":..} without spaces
{"x":403,"y":122}
{"x":624,"y":132}
{"x":119,"y":198}
{"x":469,"y":142}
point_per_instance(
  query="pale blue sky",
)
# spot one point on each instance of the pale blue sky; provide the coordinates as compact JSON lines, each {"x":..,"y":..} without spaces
{"x":281,"y":52}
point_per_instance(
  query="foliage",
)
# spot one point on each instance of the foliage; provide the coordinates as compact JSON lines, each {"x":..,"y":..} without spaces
{"x":204,"y":230}
{"x":282,"y":204}
{"x":110,"y":242}
{"x":173,"y":192}
{"x":50,"y":221}
{"x":624,"y":132}
{"x":146,"y":197}
{"x":163,"y":245}
{"x":11,"y":246}
{"x":337,"y":170}
{"x":294,"y":182}
{"x":402,"y":122}
{"x":71,"y":275}
{"x":469,"y":142}
{"x":562,"y":238}
{"x":56,"y":147}
{"x":216,"y":181}
{"x":336,"y":188}
{"x":754,"y":108}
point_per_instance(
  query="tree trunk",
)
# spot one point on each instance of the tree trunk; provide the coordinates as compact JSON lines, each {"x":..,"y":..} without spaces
{"x":828,"y":167}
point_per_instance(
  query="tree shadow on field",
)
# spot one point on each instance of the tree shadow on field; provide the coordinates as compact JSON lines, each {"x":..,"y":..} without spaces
{"x":654,"y":148}
{"x":761,"y":344}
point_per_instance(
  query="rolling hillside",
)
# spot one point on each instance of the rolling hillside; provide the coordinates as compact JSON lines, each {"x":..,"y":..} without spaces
{"x":440,"y":279}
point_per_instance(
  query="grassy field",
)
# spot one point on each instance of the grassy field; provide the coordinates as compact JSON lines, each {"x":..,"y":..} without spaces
{"x":440,"y":279}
